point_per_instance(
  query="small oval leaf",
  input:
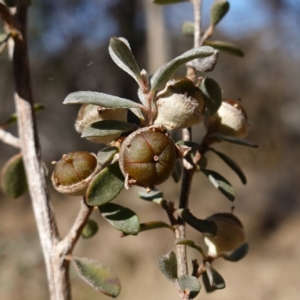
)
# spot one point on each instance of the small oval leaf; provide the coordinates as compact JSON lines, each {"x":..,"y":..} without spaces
{"x":106,"y":186}
{"x":220,"y":183}
{"x":232,"y":164}
{"x":234,"y":140}
{"x":121,"y":218}
{"x":191,"y":244}
{"x":152,"y":195}
{"x":226,"y":47}
{"x":121,"y":54}
{"x":97,"y":276}
{"x":90,"y":229}
{"x":168,"y":266}
{"x":176,"y":175}
{"x":204,"y":226}
{"x":101,"y":99}
{"x":107,"y":128}
{"x":106,"y":155}
{"x":188,"y":29}
{"x":215,"y":279}
{"x":218,"y":11}
{"x":13,"y":177}
{"x":212,"y":95}
{"x":190,"y":285}
{"x":237,"y":254}
{"x":165,"y":72}
{"x":205,"y":64}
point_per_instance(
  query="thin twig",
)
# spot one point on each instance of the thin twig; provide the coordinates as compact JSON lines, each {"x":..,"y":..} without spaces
{"x":9,"y":139}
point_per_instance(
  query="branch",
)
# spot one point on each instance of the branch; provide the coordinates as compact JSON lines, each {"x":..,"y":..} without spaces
{"x":9,"y":139}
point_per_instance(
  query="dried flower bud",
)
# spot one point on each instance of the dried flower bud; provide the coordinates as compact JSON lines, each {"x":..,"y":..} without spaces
{"x":230,"y":119}
{"x":180,"y":105}
{"x":73,"y":172}
{"x":147,"y":157}
{"x":91,"y":113}
{"x":230,"y":234}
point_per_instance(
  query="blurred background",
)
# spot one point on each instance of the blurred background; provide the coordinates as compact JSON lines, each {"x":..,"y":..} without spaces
{"x":68,"y":43}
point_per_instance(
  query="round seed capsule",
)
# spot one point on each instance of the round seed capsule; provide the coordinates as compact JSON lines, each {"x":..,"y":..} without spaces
{"x":147,"y":157}
{"x":74,"y":171}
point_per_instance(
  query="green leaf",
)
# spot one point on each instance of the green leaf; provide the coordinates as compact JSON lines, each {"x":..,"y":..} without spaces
{"x":168,"y":266}
{"x":234,"y":140}
{"x":204,"y":226}
{"x":106,"y":186}
{"x":212,"y":95}
{"x":204,"y":64}
{"x":13,"y":177}
{"x":96,"y":275}
{"x":232,"y":164}
{"x":153,"y":225}
{"x":121,"y":218}
{"x":188,"y":29}
{"x":106,"y":155}
{"x":121,"y":54}
{"x":208,"y":287}
{"x":90,"y":229}
{"x":226,"y":47}
{"x":191,"y":244}
{"x":237,"y":254}
{"x":107,"y":128}
{"x":220,"y":183}
{"x":176,"y":175}
{"x":162,"y":2}
{"x":165,"y":72}
{"x":190,"y":285}
{"x":218,"y":11}
{"x":101,"y":99}
{"x":37,"y":107}
{"x":215,"y":279}
{"x":152,"y":195}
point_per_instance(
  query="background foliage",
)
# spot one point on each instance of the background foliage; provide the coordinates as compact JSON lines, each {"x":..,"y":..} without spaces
{"x":68,"y":47}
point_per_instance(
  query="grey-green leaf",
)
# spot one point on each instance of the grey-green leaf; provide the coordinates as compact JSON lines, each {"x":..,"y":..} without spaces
{"x":107,"y":128}
{"x":165,"y":72}
{"x":163,"y":2}
{"x":204,"y":226}
{"x":237,"y":254}
{"x":121,"y":218}
{"x":220,"y":183}
{"x":90,"y":229}
{"x":232,"y":164}
{"x":13,"y":177}
{"x":226,"y":47}
{"x":191,"y":244}
{"x":96,"y":275}
{"x":152,"y":195}
{"x":205,"y":64}
{"x":100,"y":99}
{"x":215,"y":279}
{"x":190,"y":285}
{"x":168,"y":266}
{"x":122,"y":56}
{"x":106,"y":155}
{"x":176,"y":175}
{"x":212,"y":95}
{"x":234,"y":140}
{"x":106,"y":186}
{"x":218,"y":11}
{"x":188,"y":29}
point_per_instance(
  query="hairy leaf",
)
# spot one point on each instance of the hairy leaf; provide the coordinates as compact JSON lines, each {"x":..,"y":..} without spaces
{"x":232,"y":164}
{"x":205,"y":64}
{"x":220,"y":183}
{"x":154,"y":194}
{"x":100,"y":99}
{"x":218,"y":11}
{"x":204,"y":226}
{"x":212,"y":95}
{"x":13,"y":177}
{"x":176,"y":175}
{"x":190,"y":285}
{"x":106,"y":186}
{"x":107,"y":128}
{"x":121,"y":218}
{"x":215,"y":279}
{"x":121,"y":54}
{"x":165,"y":72}
{"x":226,"y":47}
{"x":168,"y":266}
{"x":90,"y":229}
{"x":96,"y":275}
{"x":106,"y":155}
{"x":191,"y":244}
{"x":188,"y":29}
